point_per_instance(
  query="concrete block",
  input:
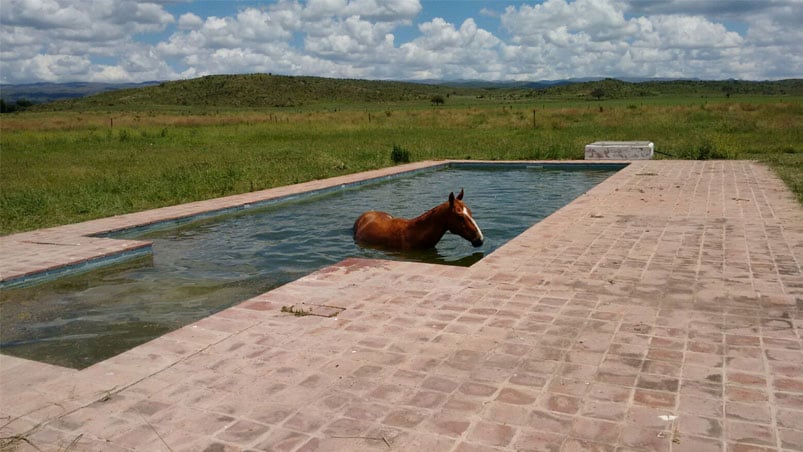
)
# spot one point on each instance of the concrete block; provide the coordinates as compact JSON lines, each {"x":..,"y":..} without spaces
{"x":620,"y":150}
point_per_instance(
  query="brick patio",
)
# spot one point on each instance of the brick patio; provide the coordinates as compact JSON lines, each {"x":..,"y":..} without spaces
{"x":660,"y":311}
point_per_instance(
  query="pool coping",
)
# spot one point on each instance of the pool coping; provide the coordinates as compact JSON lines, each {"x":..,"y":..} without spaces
{"x":661,"y":310}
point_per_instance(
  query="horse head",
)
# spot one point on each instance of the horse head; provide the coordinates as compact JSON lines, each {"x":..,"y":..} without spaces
{"x":460,"y":222}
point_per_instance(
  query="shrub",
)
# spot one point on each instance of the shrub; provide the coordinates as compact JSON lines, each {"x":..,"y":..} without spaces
{"x":399,"y":154}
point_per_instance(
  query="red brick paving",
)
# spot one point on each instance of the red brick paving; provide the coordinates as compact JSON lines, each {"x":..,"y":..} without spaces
{"x":660,"y":311}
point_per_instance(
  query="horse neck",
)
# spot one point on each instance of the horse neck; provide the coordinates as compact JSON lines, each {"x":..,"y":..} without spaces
{"x":430,"y":226}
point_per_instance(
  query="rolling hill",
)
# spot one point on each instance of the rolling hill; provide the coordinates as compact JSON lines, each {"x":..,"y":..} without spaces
{"x":277,"y":91}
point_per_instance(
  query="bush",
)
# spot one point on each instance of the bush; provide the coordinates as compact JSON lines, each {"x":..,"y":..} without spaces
{"x":706,"y":150}
{"x":399,"y":154}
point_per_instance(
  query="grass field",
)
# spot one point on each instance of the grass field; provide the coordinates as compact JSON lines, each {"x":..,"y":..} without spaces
{"x":71,"y":165}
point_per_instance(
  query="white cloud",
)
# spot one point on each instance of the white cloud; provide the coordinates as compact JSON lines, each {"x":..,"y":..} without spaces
{"x":687,"y":32}
{"x":378,"y":10}
{"x":189,"y":21}
{"x":444,"y":51}
{"x":593,"y":20}
{"x":129,"y":40}
{"x":56,"y":40}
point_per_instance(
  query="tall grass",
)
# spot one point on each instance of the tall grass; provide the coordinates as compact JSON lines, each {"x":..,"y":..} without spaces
{"x":63,"y":167}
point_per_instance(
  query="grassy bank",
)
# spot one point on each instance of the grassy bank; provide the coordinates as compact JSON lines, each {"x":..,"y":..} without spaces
{"x":66,"y":166}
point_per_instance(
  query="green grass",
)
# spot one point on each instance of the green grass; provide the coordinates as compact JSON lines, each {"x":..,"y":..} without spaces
{"x":61,"y":167}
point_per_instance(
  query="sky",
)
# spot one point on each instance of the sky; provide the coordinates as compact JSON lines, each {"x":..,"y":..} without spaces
{"x":117,"y":41}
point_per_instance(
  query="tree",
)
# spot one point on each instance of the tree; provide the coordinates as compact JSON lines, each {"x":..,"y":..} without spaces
{"x":19,"y":105}
{"x":598,"y":93}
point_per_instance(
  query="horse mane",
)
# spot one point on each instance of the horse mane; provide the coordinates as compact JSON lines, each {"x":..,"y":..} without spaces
{"x":429,"y":213}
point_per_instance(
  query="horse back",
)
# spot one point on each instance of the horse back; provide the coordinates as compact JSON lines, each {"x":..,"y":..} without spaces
{"x":375,"y":228}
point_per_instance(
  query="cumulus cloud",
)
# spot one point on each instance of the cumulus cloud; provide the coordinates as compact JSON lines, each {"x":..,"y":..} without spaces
{"x":189,"y":21}
{"x":130,"y":40}
{"x":446,"y":51}
{"x":55,"y":40}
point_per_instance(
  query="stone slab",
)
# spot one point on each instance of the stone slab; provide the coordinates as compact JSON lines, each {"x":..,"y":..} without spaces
{"x":619,"y":150}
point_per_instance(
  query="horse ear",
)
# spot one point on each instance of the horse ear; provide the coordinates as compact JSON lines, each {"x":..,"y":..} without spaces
{"x":451,"y":199}
{"x":460,"y":196}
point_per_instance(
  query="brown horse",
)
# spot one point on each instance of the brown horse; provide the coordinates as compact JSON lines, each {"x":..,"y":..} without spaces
{"x":425,"y":231}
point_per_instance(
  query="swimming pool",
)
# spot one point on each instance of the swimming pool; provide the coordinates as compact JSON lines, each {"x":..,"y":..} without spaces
{"x":204,"y":266}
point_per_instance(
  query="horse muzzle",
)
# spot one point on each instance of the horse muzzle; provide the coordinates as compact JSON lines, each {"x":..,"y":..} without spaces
{"x":477,"y":242}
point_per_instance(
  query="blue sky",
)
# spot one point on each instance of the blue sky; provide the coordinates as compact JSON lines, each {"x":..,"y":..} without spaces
{"x":141,"y":40}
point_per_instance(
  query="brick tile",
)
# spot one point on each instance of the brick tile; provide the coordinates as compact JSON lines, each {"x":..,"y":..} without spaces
{"x":447,"y":424}
{"x":516,"y":397}
{"x":699,"y":426}
{"x":528,"y":380}
{"x":441,"y":384}
{"x":404,"y":418}
{"x":477,"y":389}
{"x":702,"y":406}
{"x":742,"y":340}
{"x":273,"y":414}
{"x":506,"y":413}
{"x":742,"y":447}
{"x":595,"y":430}
{"x":794,"y":385}
{"x":637,"y":438}
{"x":743,"y":432}
{"x":648,"y":417}
{"x":366,"y":411}
{"x":242,"y":432}
{"x":746,"y":379}
{"x":703,"y":374}
{"x":654,"y":398}
{"x":535,"y":440}
{"x":578,"y":445}
{"x":701,"y":389}
{"x":473,"y":447}
{"x":560,"y":403}
{"x":787,"y":400}
{"x":568,"y":386}
{"x":305,"y":421}
{"x":391,"y":393}
{"x":657,"y":382}
{"x":345,"y":427}
{"x":601,"y":409}
{"x":789,"y":418}
{"x":491,"y":434}
{"x":751,"y":412}
{"x":791,"y":439}
{"x":742,"y":394}
{"x":688,"y":443}
{"x":664,"y":368}
{"x":427,"y":399}
{"x":663,"y":354}
{"x":550,"y":421}
{"x":613,"y":393}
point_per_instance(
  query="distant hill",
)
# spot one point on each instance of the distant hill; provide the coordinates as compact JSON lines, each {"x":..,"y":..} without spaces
{"x":272,"y":91}
{"x":254,"y":91}
{"x":617,"y":89}
{"x":40,"y":93}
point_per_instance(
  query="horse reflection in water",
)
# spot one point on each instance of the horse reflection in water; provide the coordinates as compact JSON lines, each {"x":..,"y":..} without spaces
{"x":381,"y":230}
